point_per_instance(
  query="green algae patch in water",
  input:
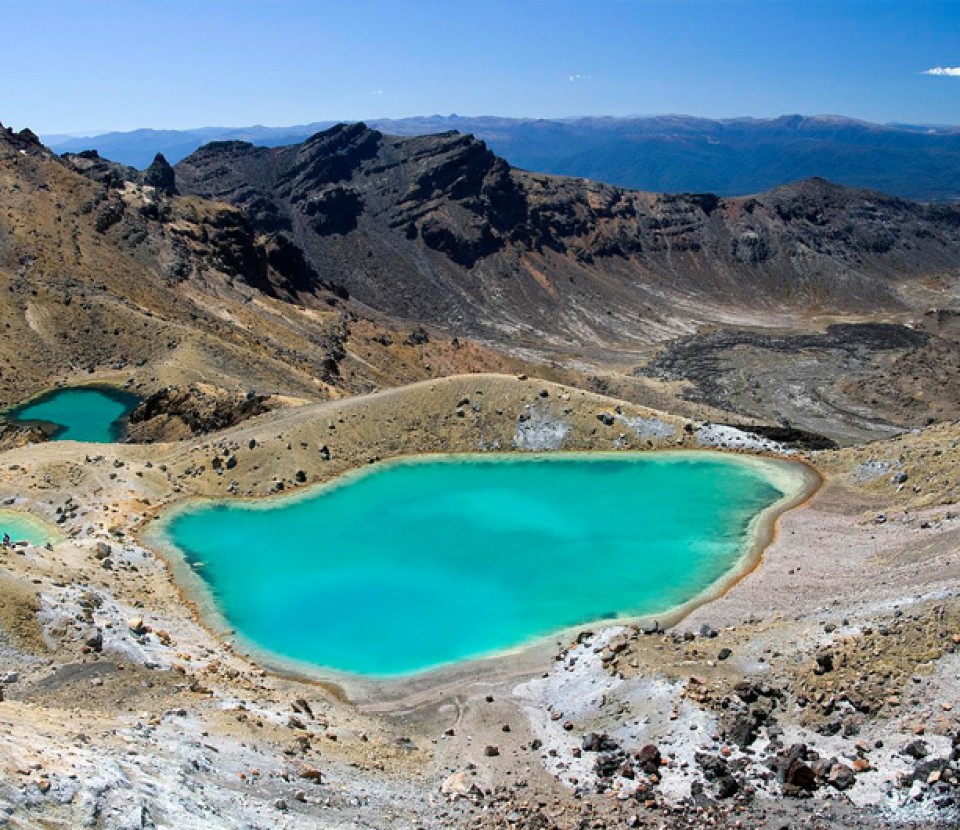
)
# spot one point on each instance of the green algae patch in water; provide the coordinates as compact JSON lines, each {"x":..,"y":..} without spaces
{"x":421,"y":563}
{"x":21,"y":527}
{"x":96,"y":414}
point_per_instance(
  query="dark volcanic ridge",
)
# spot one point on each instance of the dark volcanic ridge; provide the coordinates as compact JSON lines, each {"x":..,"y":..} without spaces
{"x":440,"y":229}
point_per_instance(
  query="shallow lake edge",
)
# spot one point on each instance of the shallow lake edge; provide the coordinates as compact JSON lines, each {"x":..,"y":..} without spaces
{"x":797,"y":478}
{"x":50,"y":532}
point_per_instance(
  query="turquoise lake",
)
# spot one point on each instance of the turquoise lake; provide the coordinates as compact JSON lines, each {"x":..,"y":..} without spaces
{"x":84,"y":413}
{"x":409,"y":566}
{"x":23,"y":528}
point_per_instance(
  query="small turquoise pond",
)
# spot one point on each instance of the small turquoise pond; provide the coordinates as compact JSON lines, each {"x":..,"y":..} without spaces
{"x":422,"y":563}
{"x":84,"y":413}
{"x":23,"y":528}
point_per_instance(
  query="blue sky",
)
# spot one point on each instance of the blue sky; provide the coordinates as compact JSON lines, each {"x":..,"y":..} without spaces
{"x":84,"y":65}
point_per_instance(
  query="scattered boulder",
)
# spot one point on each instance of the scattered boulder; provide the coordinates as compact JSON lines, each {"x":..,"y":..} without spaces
{"x":824,"y":663}
{"x":795,"y":776}
{"x":598,"y":743}
{"x":727,"y":787}
{"x":746,"y":691}
{"x":841,"y":777}
{"x":649,"y":759}
{"x":311,"y":774}
{"x":915,"y":749}
{"x":608,"y":764}
{"x":93,"y":640}
{"x":417,"y":337}
{"x":744,"y":730}
{"x":714,"y":767}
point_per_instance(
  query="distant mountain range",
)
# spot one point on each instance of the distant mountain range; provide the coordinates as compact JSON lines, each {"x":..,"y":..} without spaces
{"x":658,"y":153}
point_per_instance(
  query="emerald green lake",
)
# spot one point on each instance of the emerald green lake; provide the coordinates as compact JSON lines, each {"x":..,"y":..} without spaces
{"x":413,"y":565}
{"x":23,"y":528}
{"x":85,"y":413}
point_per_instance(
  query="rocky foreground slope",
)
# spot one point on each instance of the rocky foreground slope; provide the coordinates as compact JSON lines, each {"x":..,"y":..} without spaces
{"x":821,"y":690}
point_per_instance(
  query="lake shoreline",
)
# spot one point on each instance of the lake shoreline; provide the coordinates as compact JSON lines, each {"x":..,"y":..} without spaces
{"x":10,"y":516}
{"x":797,"y":479}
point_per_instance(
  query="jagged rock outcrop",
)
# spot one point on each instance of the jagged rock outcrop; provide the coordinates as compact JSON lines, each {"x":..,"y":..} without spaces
{"x":177,"y":412}
{"x":108,"y":173}
{"x":201,"y":237}
{"x":17,"y":435}
{"x":160,"y":175}
{"x":25,"y":141}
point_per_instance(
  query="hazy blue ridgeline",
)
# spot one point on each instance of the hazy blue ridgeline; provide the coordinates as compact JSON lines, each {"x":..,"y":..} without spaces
{"x":417,"y":565}
{"x":82,"y":414}
{"x":665,"y":154}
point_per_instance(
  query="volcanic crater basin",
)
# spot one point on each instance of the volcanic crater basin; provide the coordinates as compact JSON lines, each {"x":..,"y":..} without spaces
{"x":96,"y":414}
{"x":426,"y":562}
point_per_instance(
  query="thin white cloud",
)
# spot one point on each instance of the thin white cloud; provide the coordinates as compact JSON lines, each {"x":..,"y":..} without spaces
{"x":943,"y":71}
{"x":377,"y":92}
{"x":575,"y":78}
